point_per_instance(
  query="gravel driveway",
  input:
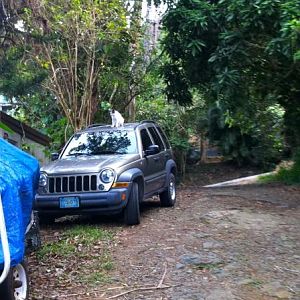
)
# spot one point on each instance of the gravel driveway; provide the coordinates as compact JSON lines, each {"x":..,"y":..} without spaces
{"x":240,"y":242}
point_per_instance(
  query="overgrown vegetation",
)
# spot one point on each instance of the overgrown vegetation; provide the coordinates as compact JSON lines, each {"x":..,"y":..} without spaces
{"x":288,"y":173}
{"x":179,"y":123}
{"x":228,"y":71}
{"x":243,"y":56}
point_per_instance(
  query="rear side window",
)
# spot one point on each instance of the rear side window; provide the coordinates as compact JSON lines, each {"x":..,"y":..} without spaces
{"x":164,"y":137}
{"x":156,"y":138}
{"x":146,"y":140}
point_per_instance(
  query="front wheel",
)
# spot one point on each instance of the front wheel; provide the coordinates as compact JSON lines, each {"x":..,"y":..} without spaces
{"x":168,"y":197}
{"x":16,"y":284}
{"x":132,"y":210}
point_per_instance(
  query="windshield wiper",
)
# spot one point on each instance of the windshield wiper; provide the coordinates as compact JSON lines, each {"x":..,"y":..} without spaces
{"x":78,"y":154}
{"x":107,"y":152}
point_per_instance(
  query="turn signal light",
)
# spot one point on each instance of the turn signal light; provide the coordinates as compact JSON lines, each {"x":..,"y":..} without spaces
{"x":120,"y":185}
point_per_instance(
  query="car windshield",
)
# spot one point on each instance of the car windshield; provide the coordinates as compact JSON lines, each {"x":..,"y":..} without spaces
{"x":101,"y":142}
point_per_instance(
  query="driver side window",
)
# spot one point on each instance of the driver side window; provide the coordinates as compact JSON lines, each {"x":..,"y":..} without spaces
{"x":146,"y":140}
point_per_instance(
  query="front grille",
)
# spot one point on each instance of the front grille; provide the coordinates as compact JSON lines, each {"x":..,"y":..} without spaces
{"x":71,"y":184}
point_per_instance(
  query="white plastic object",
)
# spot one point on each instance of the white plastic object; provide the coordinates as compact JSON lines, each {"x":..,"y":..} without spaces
{"x":4,"y":242}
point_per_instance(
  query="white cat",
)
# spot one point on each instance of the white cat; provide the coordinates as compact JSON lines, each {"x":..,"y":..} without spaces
{"x":116,"y":118}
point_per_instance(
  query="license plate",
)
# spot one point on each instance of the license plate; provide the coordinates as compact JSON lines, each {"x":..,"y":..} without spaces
{"x":69,"y":202}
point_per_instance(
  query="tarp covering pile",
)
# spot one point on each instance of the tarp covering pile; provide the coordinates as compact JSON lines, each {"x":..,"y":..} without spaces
{"x":19,"y":174}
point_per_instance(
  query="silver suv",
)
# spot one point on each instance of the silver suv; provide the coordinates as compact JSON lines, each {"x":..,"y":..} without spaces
{"x":108,"y":170}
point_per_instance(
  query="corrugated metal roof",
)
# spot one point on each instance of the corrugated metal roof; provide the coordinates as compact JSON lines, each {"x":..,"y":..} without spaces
{"x":24,"y":130}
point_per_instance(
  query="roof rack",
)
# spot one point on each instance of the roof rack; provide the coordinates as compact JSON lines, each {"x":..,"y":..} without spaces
{"x":147,"y":121}
{"x":96,"y":125}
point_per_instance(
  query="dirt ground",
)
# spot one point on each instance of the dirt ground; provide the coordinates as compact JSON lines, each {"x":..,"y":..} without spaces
{"x":240,"y":242}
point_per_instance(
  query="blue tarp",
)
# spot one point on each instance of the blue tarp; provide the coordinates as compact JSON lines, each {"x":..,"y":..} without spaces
{"x":19,"y":175}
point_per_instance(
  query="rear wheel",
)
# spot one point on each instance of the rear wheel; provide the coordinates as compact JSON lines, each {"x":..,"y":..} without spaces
{"x":132,"y":210}
{"x":168,"y":197}
{"x":16,"y":284}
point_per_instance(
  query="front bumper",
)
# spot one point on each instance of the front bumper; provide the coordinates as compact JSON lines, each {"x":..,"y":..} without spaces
{"x":110,"y":202}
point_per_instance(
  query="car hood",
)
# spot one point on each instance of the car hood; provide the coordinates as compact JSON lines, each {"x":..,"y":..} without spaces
{"x":87,"y":164}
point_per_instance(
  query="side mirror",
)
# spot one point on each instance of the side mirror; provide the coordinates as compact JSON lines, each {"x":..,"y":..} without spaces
{"x":54,"y":156}
{"x":153,"y":149}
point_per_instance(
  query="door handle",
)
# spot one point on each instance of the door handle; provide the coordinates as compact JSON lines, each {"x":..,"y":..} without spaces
{"x":156,"y":158}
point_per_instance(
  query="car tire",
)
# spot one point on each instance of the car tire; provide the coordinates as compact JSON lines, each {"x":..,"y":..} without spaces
{"x":132,"y":210}
{"x":16,"y":284}
{"x":168,"y":197}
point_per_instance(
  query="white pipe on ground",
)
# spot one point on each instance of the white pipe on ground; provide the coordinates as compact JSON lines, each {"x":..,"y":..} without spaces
{"x":239,"y":181}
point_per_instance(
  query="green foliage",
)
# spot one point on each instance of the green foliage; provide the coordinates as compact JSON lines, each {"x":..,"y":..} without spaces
{"x":178,"y":122}
{"x":59,"y":131}
{"x":66,"y":48}
{"x":69,"y":58}
{"x":243,"y":55}
{"x":257,"y":141}
{"x":40,"y":110}
{"x":172,"y":119}
{"x":289,"y":174}
{"x":174,"y":73}
{"x":88,"y":234}
{"x":71,"y":62}
{"x":19,"y":78}
{"x":62,"y":248}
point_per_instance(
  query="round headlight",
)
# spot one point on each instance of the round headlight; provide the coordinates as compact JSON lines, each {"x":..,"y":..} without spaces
{"x":107,"y":176}
{"x":43,"y":180}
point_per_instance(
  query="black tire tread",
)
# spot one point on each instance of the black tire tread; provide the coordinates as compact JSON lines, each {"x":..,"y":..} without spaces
{"x":132,"y":210}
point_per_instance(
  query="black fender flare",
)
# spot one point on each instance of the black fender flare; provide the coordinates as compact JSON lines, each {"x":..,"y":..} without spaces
{"x":131,"y":175}
{"x":170,"y":168}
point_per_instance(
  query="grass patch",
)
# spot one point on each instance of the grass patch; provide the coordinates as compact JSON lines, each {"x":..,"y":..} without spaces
{"x":73,"y":240}
{"x":288,"y":173}
{"x":61,"y":248}
{"x":88,"y":234}
{"x":108,"y":265}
